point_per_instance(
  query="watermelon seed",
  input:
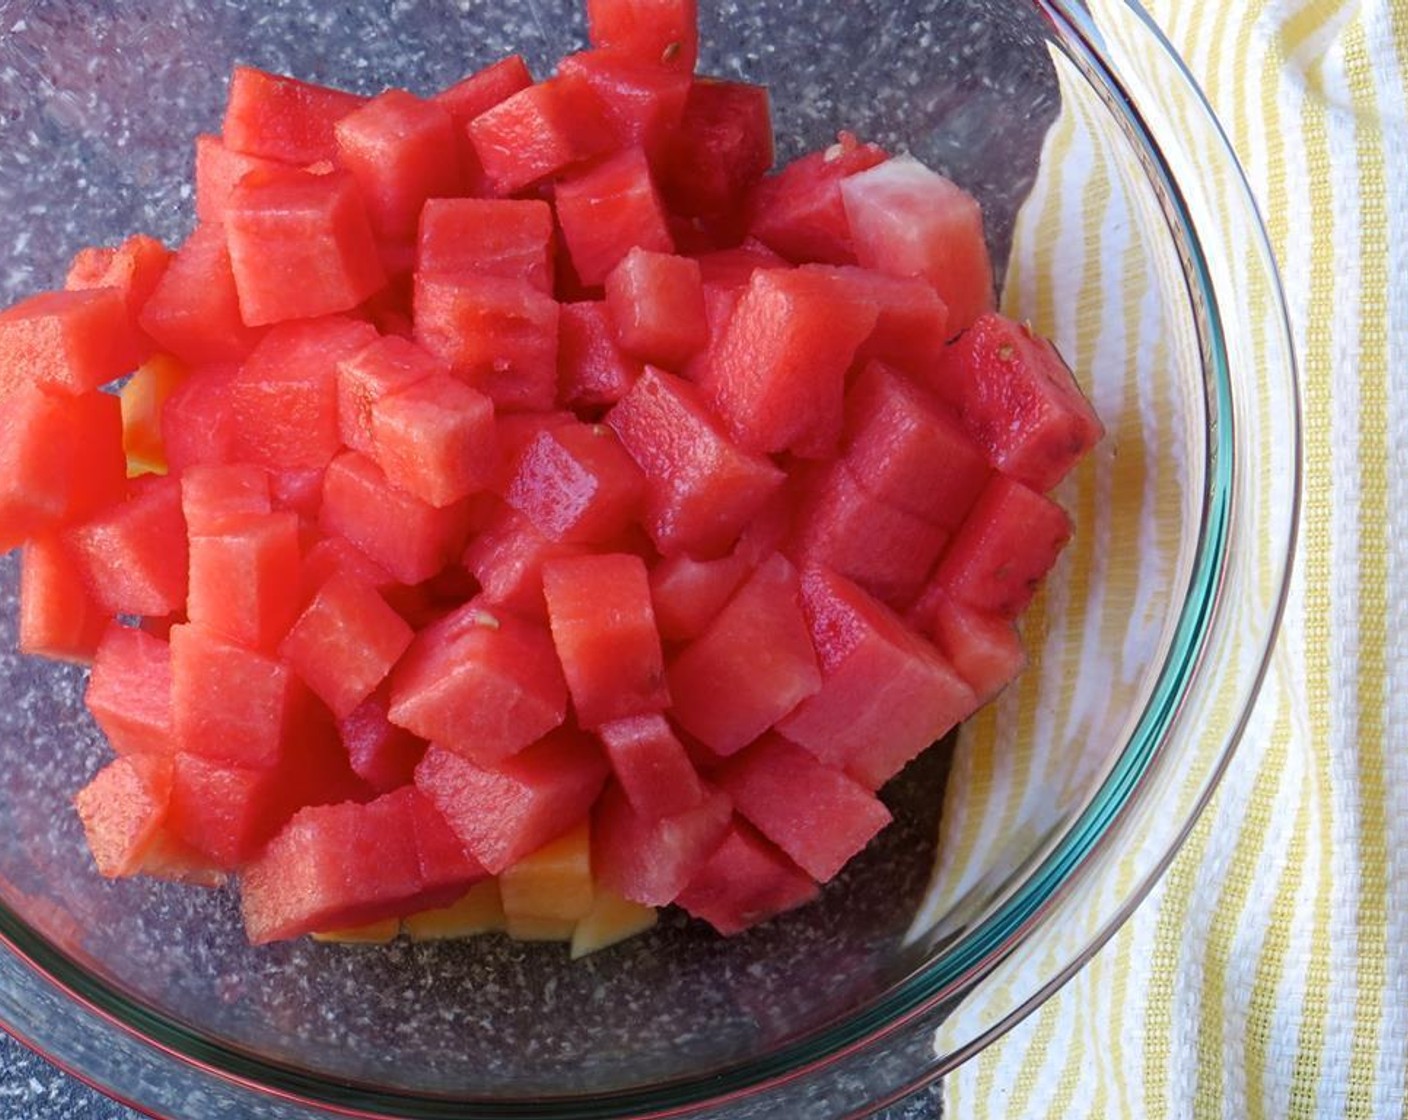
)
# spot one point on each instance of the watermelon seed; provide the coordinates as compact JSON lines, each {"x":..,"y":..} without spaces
{"x":484,"y":618}
{"x":671,"y":51}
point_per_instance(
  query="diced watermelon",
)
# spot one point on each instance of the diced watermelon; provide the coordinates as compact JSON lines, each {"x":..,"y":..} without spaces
{"x":905,"y":448}
{"x":213,"y":493}
{"x":68,"y":342}
{"x":134,"y":556}
{"x":745,"y":882}
{"x":301,"y":245}
{"x":722,"y":147}
{"x":687,"y":594}
{"x":516,"y":431}
{"x":657,"y":306}
{"x":812,"y":811}
{"x":608,"y":210}
{"x":436,"y":439}
{"x":197,"y":425}
{"x":577,"y":484}
{"x":658,"y":32}
{"x":331,"y":554}
{"x":395,"y":147}
{"x":540,"y":131}
{"x":285,"y":398}
{"x":1010,"y":541}
{"x":194,"y":313}
{"x":642,"y":99}
{"x":123,"y":810}
{"x":841,"y":526}
{"x":778,"y":376}
{"x":477,"y":94}
{"x":226,"y":813}
{"x":798,"y":210}
{"x":345,"y":642}
{"x":734,"y":268}
{"x":1018,"y":400}
{"x":720,"y":302}
{"x":338,"y":867}
{"x":446,"y":866}
{"x":593,"y":371}
{"x":507,"y":559}
{"x":886,"y":694}
{"x":480,"y":682}
{"x":134,"y":268}
{"x":218,"y":169}
{"x":650,"y":860}
{"x":985,"y":649}
{"x":604,"y":631}
{"x":282,"y":118}
{"x":228,"y":703}
{"x":507,"y":237}
{"x":506,"y":812}
{"x":244,"y":576}
{"x":298,"y":490}
{"x":910,"y":221}
{"x":61,"y":460}
{"x":651,"y":765}
{"x":911,"y":321}
{"x":58,"y":617}
{"x":381,"y":754}
{"x":410,"y":538}
{"x":129,"y":691}
{"x":385,"y":366}
{"x":752,"y":666}
{"x":701,"y":489}
{"x":498,"y":335}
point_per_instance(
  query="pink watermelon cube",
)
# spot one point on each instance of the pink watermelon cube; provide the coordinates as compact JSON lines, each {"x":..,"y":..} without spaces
{"x":886,"y":694}
{"x":481,"y":682}
{"x":510,"y":238}
{"x":213,"y":493}
{"x":59,"y":619}
{"x":745,"y":882}
{"x":134,"y":556}
{"x":687,"y":593}
{"x":650,"y":859}
{"x":244,"y":577}
{"x":577,"y":484}
{"x":381,"y":754}
{"x":651,"y":765}
{"x":593,"y":371}
{"x":752,"y":666}
{"x":129,"y":691}
{"x":604,"y":631}
{"x":507,"y":559}
{"x":385,"y":366}
{"x":608,"y":210}
{"x":657,"y":306}
{"x":815,"y":813}
{"x":985,"y":649}
{"x":503,"y":813}
{"x":194,"y":312}
{"x":436,"y":439}
{"x":68,"y":342}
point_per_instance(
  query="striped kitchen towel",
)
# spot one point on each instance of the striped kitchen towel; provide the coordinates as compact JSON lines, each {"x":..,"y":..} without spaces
{"x":1267,"y":973}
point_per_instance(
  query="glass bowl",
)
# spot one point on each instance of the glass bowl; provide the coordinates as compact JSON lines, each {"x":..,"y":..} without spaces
{"x":1122,"y":228}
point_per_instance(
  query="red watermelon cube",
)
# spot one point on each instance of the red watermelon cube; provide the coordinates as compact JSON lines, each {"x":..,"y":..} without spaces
{"x":196,"y":423}
{"x":345,"y":642}
{"x":650,"y":859}
{"x":474,"y":95}
{"x":134,"y":268}
{"x":507,"y":559}
{"x":381,"y":754}
{"x":133,"y":556}
{"x":642,"y":99}
{"x":752,"y":666}
{"x":604,"y":631}
{"x":778,"y":377}
{"x":218,"y":170}
{"x":480,"y":682}
{"x":385,"y":366}
{"x":498,"y":335}
{"x":395,"y":147}
{"x":123,"y":810}
{"x":68,"y":342}
{"x":701,"y":489}
{"x":510,"y":238}
{"x":745,"y":882}
{"x":194,"y":312}
{"x":886,"y":694}
{"x":657,"y":306}
{"x":910,"y":221}
{"x":905,"y":448}
{"x":687,"y":593}
{"x":436,"y":439}
{"x":593,"y":371}
{"x":577,"y":484}
{"x":301,"y":245}
{"x":651,"y":765}
{"x":911,"y":321}
{"x":284,"y":399}
{"x":734,"y":268}
{"x":816,"y":814}
{"x":61,"y":460}
{"x":985,"y":649}
{"x":212,"y":493}
{"x":608,"y":210}
{"x":282,"y":118}
{"x":59,"y":619}
{"x":722,"y":147}
{"x":129,"y":691}
{"x":657,"y":32}
{"x":540,"y":131}
{"x":504,"y":812}
{"x":226,"y":813}
{"x":798,"y":210}
{"x":1018,"y":400}
{"x":410,"y":538}
{"x":244,"y":577}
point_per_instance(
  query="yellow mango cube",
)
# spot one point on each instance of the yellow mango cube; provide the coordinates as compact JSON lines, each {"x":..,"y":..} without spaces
{"x":553,"y":882}
{"x":478,"y":911}
{"x":376,"y":933}
{"x":612,"y":919}
{"x":142,"y":399}
{"x":530,"y":928}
